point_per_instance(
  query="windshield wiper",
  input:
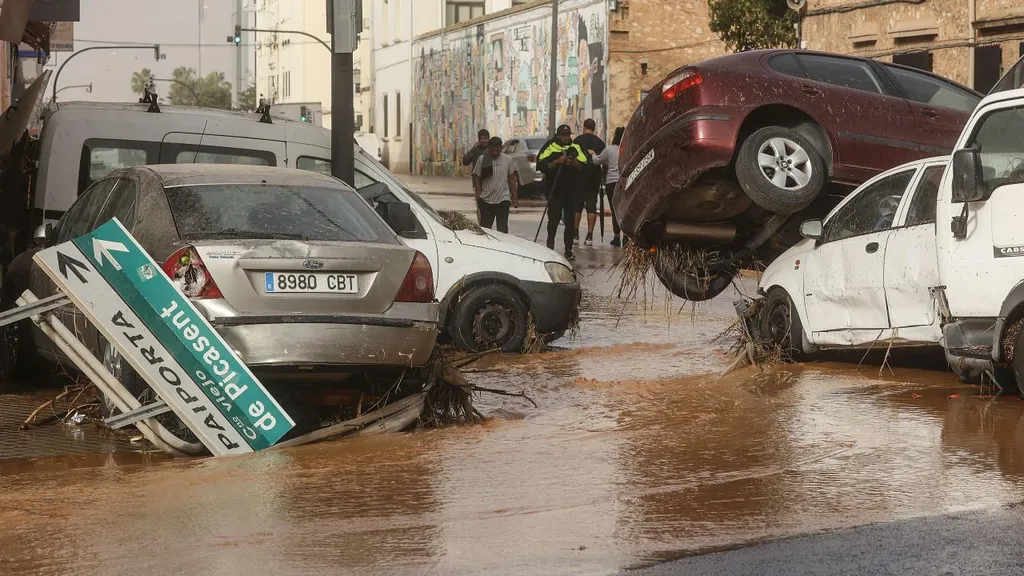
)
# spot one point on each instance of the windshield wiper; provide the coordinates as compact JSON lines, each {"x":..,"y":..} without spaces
{"x":243,"y":235}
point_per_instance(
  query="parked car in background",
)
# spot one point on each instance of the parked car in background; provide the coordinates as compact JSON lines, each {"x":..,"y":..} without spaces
{"x":721,"y":154}
{"x":523,"y":152}
{"x":863,"y":274}
{"x":296,"y":272}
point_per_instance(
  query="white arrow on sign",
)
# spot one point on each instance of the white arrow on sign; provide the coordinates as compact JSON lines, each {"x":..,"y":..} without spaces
{"x":102,"y":248}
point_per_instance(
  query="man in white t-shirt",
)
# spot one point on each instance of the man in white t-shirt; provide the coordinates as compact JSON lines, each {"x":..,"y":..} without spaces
{"x":496,"y":186}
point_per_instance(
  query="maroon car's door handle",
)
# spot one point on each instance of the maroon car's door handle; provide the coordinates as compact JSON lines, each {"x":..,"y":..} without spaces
{"x":810,"y":90}
{"x":929,"y":113}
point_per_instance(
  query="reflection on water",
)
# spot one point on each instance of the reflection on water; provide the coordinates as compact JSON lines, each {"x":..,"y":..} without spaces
{"x":637,"y":452}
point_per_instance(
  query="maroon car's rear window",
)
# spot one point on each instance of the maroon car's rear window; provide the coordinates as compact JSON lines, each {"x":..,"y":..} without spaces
{"x":253,"y":211}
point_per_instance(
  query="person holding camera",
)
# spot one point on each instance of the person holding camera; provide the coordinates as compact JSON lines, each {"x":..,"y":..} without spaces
{"x":562,"y":162}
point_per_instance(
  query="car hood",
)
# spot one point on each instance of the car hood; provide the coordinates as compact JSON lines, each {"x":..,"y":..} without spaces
{"x":785,"y":263}
{"x":510,"y":244}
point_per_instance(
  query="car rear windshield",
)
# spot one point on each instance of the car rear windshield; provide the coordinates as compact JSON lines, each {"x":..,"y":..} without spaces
{"x":535,"y":143}
{"x":263,"y":212}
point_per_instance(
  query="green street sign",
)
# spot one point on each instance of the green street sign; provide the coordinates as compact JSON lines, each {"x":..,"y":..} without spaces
{"x":186,"y":334}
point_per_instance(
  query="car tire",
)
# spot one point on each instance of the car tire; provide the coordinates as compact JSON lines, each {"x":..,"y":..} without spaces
{"x":1018,"y":361}
{"x":689,"y":286}
{"x":780,"y":324}
{"x":780,"y":170}
{"x":19,"y":360}
{"x":489,"y":317}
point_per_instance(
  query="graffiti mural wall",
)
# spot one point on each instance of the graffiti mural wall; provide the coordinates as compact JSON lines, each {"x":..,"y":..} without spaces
{"x":496,"y":74}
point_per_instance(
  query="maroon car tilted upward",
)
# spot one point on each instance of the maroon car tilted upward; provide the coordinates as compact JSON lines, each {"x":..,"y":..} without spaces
{"x":722,"y":155}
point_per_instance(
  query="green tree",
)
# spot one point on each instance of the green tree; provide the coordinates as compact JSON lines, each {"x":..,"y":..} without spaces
{"x":753,"y":24}
{"x":247,"y":98}
{"x":211,"y":91}
{"x":140,"y":80}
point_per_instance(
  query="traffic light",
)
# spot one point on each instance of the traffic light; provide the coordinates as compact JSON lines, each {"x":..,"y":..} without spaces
{"x":304,"y":114}
{"x":238,"y":35}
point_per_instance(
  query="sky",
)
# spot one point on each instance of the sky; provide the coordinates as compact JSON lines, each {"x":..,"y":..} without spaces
{"x":174,"y":24}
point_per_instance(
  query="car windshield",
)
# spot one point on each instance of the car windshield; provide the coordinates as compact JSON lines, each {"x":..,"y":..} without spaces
{"x":255,"y":211}
{"x":1012,"y":80}
{"x":535,"y":143}
{"x":395,"y":182}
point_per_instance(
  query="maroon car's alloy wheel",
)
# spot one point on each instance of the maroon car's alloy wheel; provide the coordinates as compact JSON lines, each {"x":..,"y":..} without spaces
{"x":785,"y":163}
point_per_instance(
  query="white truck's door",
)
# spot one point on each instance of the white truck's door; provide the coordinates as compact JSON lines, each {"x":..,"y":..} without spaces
{"x":843,"y":277}
{"x":911,"y":265}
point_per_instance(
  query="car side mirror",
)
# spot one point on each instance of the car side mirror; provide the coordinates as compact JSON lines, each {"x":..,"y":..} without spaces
{"x":45,"y":235}
{"x":968,"y":176}
{"x":400,"y":218}
{"x":811,"y":229}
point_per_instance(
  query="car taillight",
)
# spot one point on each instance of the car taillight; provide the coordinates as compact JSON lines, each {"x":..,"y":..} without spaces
{"x":679,"y":83}
{"x":418,"y":285}
{"x":531,"y":157}
{"x":186,"y":269}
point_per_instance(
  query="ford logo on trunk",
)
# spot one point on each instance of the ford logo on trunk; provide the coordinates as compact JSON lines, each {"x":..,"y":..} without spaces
{"x":313,"y":264}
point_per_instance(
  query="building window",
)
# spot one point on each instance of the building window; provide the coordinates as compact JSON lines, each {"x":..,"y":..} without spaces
{"x":357,"y":80}
{"x":920,"y":60}
{"x":359,"y":122}
{"x":988,"y":67}
{"x":398,"y":114}
{"x":462,"y":11}
{"x":286,"y":84}
{"x":385,"y":115}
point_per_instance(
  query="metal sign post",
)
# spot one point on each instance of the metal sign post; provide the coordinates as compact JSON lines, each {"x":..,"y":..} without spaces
{"x":344,"y":23}
{"x":138,"y":309}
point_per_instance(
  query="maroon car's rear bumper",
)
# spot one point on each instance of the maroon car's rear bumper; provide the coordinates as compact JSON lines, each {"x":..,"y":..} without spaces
{"x":684,"y":149}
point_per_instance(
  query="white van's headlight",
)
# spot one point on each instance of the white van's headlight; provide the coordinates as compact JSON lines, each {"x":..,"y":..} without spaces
{"x":560,"y":274}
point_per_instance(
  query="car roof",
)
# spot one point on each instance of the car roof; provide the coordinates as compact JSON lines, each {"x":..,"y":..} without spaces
{"x":171,"y":175}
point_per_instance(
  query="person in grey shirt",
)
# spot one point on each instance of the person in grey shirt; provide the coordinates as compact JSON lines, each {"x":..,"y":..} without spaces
{"x":609,"y":159}
{"x":496,"y":186}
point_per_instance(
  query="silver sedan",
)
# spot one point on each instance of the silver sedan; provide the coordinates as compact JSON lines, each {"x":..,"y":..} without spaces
{"x":294,"y":269}
{"x":523,"y":152}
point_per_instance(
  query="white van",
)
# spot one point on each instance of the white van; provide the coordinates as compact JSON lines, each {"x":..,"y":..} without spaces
{"x":494,"y":288}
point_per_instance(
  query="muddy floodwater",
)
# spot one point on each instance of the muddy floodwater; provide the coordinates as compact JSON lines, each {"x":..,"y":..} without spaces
{"x":637,"y":452}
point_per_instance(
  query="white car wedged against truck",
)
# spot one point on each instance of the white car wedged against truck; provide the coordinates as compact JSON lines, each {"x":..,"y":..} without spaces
{"x":952,"y":276}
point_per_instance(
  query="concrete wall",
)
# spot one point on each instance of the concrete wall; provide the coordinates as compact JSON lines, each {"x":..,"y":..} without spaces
{"x":647,"y":41}
{"x":494,"y":73}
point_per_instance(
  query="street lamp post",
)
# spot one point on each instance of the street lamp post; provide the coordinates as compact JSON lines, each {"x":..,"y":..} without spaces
{"x":154,"y":47}
{"x":88,"y":87}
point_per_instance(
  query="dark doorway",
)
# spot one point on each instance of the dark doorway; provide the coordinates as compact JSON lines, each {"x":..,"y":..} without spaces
{"x":988,"y":64}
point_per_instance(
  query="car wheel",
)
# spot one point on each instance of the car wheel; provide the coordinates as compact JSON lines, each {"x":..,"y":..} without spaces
{"x":780,"y":170}
{"x":489,"y":317}
{"x":780,"y":324}
{"x":691,"y":286}
{"x":137,"y":386}
{"x":19,"y":361}
{"x":1018,"y":361}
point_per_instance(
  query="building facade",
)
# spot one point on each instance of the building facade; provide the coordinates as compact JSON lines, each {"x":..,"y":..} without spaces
{"x":494,"y":71}
{"x":292,"y":68}
{"x":969,"y":41}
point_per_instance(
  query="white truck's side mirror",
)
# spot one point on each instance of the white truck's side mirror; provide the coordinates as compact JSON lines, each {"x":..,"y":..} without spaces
{"x":968,"y":176}
{"x":811,"y":229}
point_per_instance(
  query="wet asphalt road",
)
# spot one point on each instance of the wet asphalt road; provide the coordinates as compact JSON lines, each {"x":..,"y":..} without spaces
{"x":983,"y":542}
{"x":638,"y":453}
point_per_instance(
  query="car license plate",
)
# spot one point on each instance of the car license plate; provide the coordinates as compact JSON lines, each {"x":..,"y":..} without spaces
{"x":639,"y":168}
{"x":313,"y":283}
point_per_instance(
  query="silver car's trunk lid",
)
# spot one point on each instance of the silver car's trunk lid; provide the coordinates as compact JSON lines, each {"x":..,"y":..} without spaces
{"x":306,"y":277}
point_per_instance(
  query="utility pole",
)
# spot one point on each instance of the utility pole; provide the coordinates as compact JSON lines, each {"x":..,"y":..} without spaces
{"x":553,"y":96}
{"x":344,"y":21}
{"x":239,"y":53}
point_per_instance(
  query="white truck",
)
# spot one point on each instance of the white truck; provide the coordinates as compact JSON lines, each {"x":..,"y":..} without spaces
{"x":980,"y":235}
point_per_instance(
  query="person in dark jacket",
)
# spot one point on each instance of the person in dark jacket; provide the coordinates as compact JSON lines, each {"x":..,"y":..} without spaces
{"x":562,"y":162}
{"x":593,"y":145}
{"x":482,"y":137}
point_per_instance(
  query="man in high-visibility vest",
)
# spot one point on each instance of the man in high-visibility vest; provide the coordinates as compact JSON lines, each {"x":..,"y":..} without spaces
{"x":562,"y":164}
